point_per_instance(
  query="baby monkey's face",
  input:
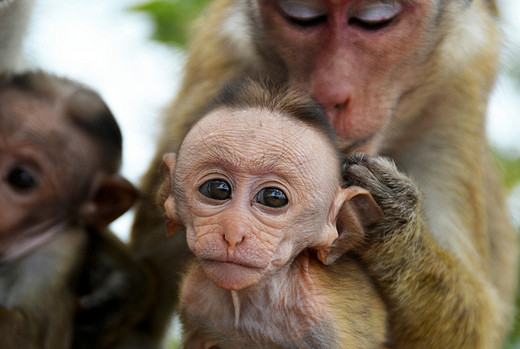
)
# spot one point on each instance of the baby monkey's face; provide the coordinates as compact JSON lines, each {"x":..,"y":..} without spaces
{"x":253,"y":189}
{"x":43,"y":162}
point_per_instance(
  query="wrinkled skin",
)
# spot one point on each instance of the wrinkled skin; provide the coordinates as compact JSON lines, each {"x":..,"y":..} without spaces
{"x":243,"y":240}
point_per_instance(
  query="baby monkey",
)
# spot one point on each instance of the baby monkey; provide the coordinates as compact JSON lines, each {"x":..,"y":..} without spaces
{"x":60,"y":152}
{"x":257,"y":186}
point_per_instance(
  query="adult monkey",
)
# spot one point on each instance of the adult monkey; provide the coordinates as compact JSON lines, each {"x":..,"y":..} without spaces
{"x":406,"y":79}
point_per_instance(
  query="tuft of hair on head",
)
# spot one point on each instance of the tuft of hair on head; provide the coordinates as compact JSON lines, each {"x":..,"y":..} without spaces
{"x":264,"y":93}
{"x":85,"y":108}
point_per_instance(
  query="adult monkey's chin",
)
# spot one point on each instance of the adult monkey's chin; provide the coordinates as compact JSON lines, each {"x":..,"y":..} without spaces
{"x":367,"y":145}
{"x":231,"y":276}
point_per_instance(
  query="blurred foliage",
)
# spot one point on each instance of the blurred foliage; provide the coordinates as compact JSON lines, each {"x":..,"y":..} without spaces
{"x":509,"y":164}
{"x":172,"y":19}
{"x":514,"y":337}
{"x":174,"y":344}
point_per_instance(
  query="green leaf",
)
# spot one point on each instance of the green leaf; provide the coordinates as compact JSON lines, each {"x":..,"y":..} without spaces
{"x":172,"y":19}
{"x":509,"y":164}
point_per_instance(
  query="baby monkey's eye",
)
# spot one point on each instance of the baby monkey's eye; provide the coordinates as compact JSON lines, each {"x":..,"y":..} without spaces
{"x":21,"y":179}
{"x":216,"y":189}
{"x":271,"y":197}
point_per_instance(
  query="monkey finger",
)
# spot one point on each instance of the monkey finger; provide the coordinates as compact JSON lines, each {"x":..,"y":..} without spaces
{"x":393,"y":191}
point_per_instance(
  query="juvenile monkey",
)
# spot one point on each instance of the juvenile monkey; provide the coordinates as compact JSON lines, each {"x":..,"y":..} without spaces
{"x":60,"y":151}
{"x":406,"y":79}
{"x":257,"y":186}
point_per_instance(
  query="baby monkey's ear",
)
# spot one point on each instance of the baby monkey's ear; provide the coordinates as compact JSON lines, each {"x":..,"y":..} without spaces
{"x":110,"y":196}
{"x":352,"y":212}
{"x":166,"y":190}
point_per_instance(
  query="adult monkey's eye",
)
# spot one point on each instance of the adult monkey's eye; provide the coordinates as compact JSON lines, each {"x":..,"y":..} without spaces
{"x":304,"y":12}
{"x":21,"y":179}
{"x":216,"y":189}
{"x":271,"y":197}
{"x":375,"y":15}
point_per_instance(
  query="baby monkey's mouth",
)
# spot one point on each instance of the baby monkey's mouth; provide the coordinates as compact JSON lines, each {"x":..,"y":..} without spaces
{"x":233,"y":261}
{"x":232,"y":274}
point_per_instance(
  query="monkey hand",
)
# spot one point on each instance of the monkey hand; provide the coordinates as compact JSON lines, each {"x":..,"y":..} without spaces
{"x":394,"y":192}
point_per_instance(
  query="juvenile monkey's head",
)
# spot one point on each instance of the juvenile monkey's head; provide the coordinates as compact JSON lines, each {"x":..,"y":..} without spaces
{"x":60,"y":152}
{"x":256,"y":181}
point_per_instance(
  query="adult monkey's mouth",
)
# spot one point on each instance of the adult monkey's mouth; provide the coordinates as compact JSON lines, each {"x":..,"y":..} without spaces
{"x":353,"y":147}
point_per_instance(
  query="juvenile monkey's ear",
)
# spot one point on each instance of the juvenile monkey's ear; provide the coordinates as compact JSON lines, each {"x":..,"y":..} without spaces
{"x":165,"y":197}
{"x":110,"y":197}
{"x":352,"y":212}
{"x":168,"y":165}
{"x":167,"y":169}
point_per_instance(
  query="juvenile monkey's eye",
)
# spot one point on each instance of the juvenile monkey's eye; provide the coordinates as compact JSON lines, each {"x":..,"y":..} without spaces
{"x":374,"y":16}
{"x":21,"y":179}
{"x":216,"y":189}
{"x":271,"y":197}
{"x":304,"y":12}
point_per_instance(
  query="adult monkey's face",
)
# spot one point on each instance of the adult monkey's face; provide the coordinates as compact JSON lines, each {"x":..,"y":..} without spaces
{"x":359,"y":58}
